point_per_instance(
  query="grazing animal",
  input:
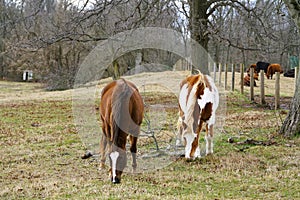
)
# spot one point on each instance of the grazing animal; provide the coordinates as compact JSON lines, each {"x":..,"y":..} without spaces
{"x":121,"y":111}
{"x":252,"y":66}
{"x":290,"y":73}
{"x":247,"y":77}
{"x":247,"y":80}
{"x":255,"y":75}
{"x":262,"y":66}
{"x":198,"y":102}
{"x":272,"y":69}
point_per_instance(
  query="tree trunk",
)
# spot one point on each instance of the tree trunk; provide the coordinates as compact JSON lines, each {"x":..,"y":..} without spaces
{"x":116,"y":67}
{"x":199,"y":23}
{"x":291,"y":125}
{"x":2,"y":49}
{"x":2,"y":36}
{"x":198,"y":27}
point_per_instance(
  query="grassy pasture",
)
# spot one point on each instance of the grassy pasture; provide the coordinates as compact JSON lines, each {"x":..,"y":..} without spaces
{"x":40,"y":151}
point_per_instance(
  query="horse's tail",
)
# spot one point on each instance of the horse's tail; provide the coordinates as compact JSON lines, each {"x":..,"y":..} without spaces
{"x":192,"y":99}
{"x":120,"y":108}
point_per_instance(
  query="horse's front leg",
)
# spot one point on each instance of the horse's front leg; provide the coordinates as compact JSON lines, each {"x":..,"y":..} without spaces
{"x":133,"y":150}
{"x":179,"y":140}
{"x":209,"y":139}
{"x":103,"y":144}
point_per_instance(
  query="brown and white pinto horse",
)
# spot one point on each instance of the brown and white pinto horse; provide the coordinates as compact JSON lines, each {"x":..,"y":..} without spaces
{"x":121,"y":110}
{"x":198,"y":102}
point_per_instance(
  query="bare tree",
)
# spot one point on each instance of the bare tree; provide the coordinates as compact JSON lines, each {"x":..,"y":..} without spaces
{"x":291,"y":125}
{"x":2,"y":35}
{"x":52,"y":37}
{"x":265,"y":33}
{"x":250,"y":30}
{"x":199,"y":16}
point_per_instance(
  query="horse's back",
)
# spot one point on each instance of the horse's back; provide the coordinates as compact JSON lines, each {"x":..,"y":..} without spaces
{"x":121,"y":107}
{"x":129,"y":91}
{"x":198,"y":90}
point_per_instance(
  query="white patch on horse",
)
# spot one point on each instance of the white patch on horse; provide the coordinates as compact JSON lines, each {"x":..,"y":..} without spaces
{"x":184,"y":92}
{"x":114,"y":156}
{"x":189,"y":141}
{"x":210,"y":96}
{"x":182,"y":97}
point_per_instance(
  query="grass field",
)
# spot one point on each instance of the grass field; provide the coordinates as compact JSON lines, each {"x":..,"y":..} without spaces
{"x":40,"y":151}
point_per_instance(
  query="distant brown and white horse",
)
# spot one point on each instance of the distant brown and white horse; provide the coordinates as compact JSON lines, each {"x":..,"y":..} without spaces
{"x":198,"y":102}
{"x":121,"y":110}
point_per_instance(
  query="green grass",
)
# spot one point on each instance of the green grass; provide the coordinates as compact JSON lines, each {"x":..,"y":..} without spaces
{"x":40,"y":152}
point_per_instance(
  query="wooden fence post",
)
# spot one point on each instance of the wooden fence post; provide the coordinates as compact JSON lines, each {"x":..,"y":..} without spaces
{"x":220,"y":74}
{"x":277,"y":90}
{"x":251,"y":84}
{"x":225,"y":78}
{"x":296,"y":76}
{"x":262,"y":87}
{"x":242,"y":77}
{"x":232,"y":78}
{"x":215,"y":72}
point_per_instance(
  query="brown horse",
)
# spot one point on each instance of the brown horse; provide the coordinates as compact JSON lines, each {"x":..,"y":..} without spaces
{"x":272,"y":69}
{"x":121,"y":111}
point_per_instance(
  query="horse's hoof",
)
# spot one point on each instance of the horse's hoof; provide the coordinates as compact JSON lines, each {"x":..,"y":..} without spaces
{"x":116,"y":181}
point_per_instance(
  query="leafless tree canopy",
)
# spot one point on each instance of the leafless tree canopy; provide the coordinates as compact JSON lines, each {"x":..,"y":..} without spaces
{"x":52,"y":37}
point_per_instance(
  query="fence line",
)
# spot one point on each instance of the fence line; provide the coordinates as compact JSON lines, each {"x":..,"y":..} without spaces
{"x":220,"y":68}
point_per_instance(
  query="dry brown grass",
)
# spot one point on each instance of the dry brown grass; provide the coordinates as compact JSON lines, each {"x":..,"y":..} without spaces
{"x":40,"y":150}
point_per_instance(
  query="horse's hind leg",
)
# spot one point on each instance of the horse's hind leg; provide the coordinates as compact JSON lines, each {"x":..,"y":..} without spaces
{"x":133,"y":150}
{"x":195,"y":152}
{"x":103,"y":144}
{"x":209,"y":139}
{"x":180,"y":127}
